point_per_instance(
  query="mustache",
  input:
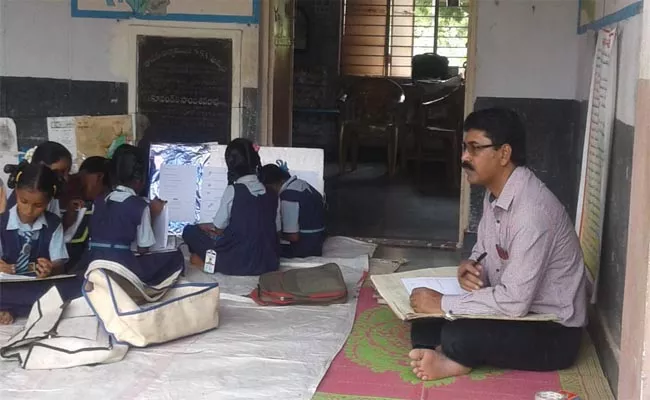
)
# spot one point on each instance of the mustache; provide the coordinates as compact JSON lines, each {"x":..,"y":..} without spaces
{"x":466,"y":165}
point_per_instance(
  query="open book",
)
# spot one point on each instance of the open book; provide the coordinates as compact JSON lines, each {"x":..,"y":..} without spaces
{"x":27,"y":278}
{"x":395,"y":290}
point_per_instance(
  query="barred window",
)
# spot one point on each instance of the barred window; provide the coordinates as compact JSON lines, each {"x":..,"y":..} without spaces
{"x":380,"y":37}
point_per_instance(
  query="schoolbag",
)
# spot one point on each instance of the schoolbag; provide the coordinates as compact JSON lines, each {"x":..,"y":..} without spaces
{"x":322,"y":285}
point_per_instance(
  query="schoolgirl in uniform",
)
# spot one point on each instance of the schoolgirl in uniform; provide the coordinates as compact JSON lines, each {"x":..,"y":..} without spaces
{"x":302,"y":209}
{"x":122,"y":218}
{"x":55,"y":156}
{"x":244,"y":230}
{"x":31,"y":241}
{"x":91,"y":182}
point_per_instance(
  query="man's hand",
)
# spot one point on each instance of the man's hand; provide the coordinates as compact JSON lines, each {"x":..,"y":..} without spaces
{"x":44,"y":267}
{"x":469,"y":275}
{"x":426,"y":301}
{"x":7,"y":268}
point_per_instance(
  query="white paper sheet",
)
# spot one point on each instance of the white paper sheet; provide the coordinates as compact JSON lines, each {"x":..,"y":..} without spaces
{"x":215,"y":181}
{"x":23,"y":278}
{"x":11,"y":277}
{"x":160,"y":225}
{"x":178,"y":188}
{"x":449,"y":286}
{"x":64,"y":131}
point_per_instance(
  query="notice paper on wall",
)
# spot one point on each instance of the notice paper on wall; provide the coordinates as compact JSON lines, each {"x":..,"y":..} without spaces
{"x":64,"y":130}
{"x":86,"y":136}
{"x":8,"y":136}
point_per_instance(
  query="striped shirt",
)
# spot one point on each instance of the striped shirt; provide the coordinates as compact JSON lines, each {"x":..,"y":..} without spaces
{"x":534,"y":262}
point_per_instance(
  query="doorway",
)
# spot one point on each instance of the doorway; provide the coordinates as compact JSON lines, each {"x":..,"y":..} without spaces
{"x":420,"y":204}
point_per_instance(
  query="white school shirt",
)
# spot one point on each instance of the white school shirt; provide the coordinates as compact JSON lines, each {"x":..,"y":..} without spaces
{"x":145,"y":236}
{"x":255,"y":187}
{"x":57,"y":248}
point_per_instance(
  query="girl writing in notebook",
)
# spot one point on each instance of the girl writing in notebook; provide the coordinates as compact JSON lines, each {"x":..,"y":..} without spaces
{"x":55,"y":156}
{"x":122,"y":220}
{"x":31,"y":241}
{"x":244,"y":230}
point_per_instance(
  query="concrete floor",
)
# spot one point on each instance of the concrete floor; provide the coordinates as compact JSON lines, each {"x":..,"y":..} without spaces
{"x":366,"y":203}
{"x":419,"y":258}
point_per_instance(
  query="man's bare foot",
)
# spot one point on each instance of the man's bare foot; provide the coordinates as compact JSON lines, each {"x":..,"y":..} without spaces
{"x":6,"y":318}
{"x":430,"y":365}
{"x":196,"y":261}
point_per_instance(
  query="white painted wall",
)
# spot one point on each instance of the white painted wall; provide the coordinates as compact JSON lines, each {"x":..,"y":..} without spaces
{"x":586,"y":52}
{"x":41,"y":39}
{"x":527,"y":48}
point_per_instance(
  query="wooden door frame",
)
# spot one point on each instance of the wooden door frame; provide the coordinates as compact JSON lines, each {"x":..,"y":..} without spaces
{"x":634,"y":365}
{"x":470,"y":84}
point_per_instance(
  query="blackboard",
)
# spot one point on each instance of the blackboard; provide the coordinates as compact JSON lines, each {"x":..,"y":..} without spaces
{"x":29,"y":101}
{"x":185,"y":88}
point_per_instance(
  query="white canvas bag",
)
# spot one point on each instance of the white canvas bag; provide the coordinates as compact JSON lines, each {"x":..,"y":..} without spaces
{"x":143,"y":315}
{"x":59,"y":335}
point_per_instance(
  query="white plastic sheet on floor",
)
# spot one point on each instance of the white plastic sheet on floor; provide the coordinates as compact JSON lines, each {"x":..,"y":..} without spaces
{"x":256,"y":353}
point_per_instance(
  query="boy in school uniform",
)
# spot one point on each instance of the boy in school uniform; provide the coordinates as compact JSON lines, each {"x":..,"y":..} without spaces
{"x":302,"y":209}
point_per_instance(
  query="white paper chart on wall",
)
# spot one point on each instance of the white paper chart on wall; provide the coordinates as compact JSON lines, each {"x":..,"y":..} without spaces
{"x":8,"y":137}
{"x":596,"y":150}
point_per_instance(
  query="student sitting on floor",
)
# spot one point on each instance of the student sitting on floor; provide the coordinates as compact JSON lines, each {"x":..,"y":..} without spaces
{"x":244,"y":231}
{"x":31,"y":241}
{"x":55,"y":156}
{"x":302,"y":209}
{"x":122,"y":218}
{"x":91,"y":182}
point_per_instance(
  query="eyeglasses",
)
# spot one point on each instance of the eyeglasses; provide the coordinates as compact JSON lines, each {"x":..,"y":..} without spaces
{"x":473,"y":149}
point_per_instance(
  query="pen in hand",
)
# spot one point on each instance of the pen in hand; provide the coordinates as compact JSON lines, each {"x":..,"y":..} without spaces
{"x":470,"y":275}
{"x":480,"y":258}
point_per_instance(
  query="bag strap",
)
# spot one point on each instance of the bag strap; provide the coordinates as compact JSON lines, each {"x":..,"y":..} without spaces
{"x":42,"y":321}
{"x":151,"y":293}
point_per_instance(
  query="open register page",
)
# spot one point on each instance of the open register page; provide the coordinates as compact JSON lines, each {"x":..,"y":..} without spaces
{"x":396,"y":288}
